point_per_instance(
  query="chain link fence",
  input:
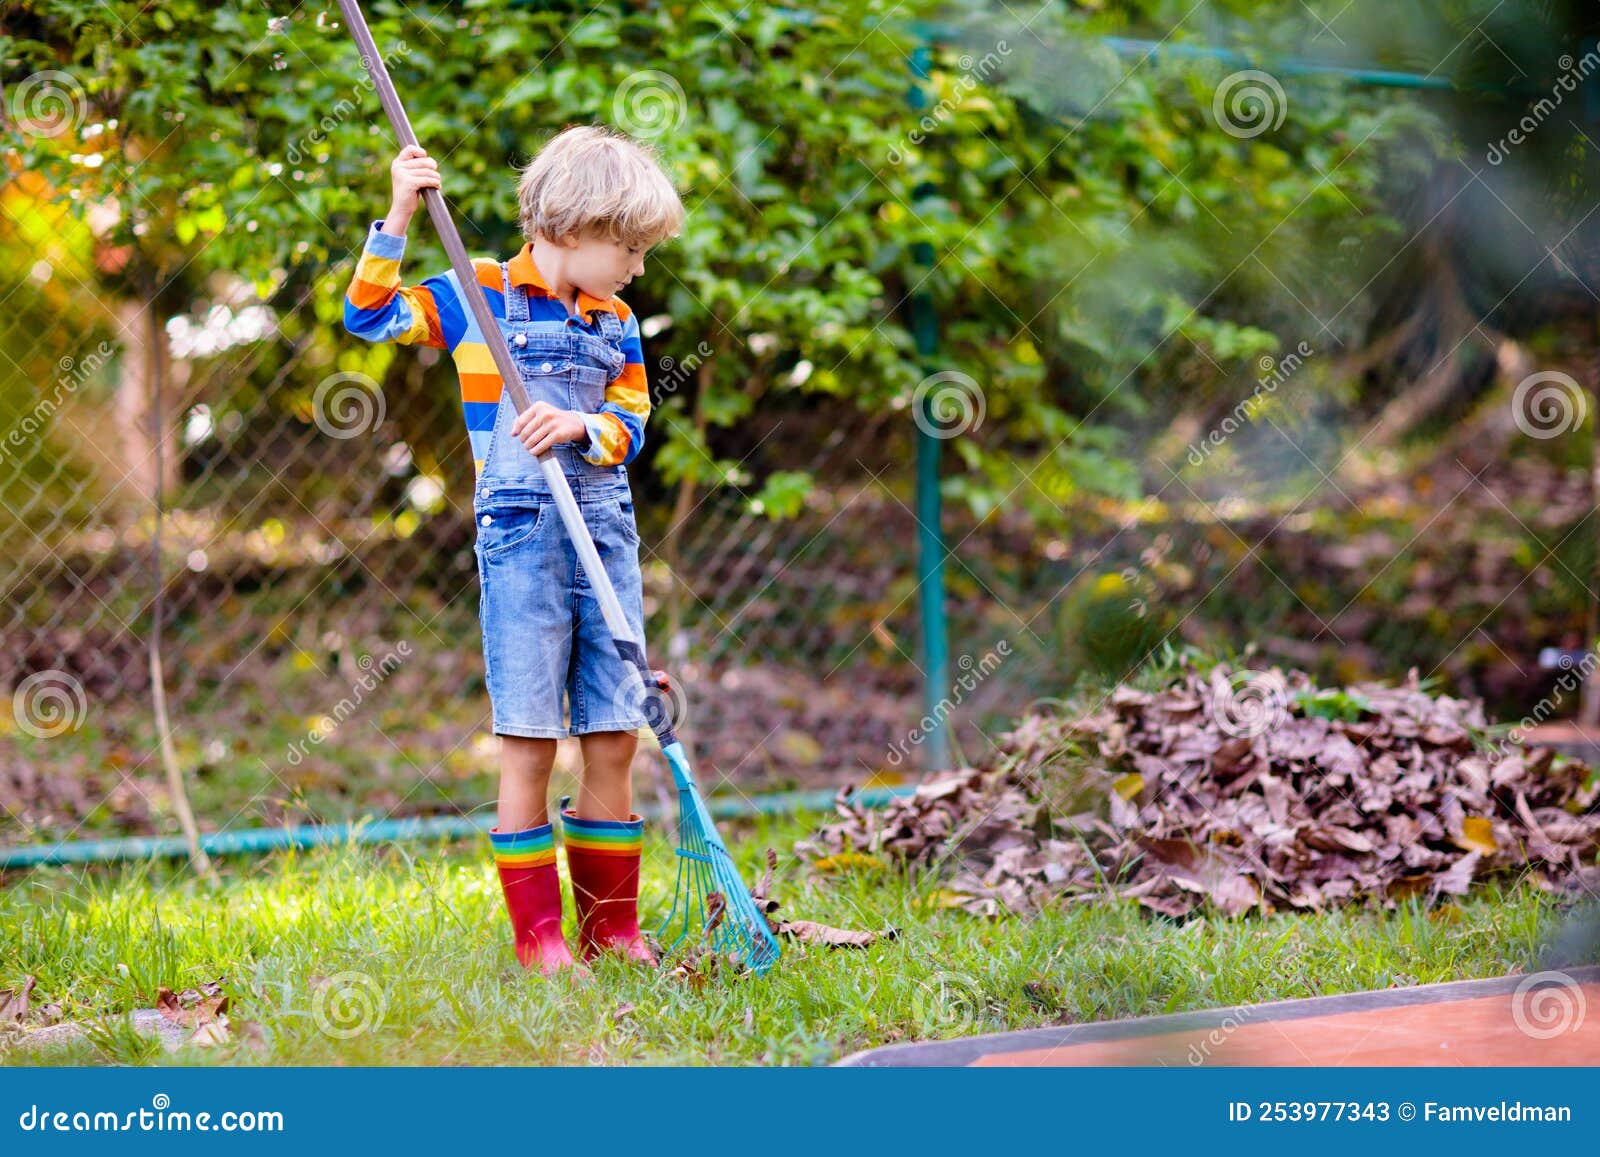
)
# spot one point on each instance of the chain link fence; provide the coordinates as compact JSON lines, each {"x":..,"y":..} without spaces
{"x":300,"y":502}
{"x":307,"y":528}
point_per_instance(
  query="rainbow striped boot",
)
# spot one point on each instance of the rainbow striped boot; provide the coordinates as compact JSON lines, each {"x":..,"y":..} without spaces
{"x":526,"y":861}
{"x":603,"y":861}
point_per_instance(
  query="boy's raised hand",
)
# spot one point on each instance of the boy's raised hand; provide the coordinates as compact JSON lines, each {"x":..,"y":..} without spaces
{"x":410,"y":172}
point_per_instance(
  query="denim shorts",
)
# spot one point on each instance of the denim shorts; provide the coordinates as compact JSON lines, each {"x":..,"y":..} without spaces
{"x":543,"y":630}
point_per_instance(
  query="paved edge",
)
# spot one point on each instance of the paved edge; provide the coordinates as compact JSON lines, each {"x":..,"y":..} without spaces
{"x":943,"y":1053}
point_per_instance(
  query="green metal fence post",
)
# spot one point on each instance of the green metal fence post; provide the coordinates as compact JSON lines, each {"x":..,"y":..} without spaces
{"x":930,"y":533}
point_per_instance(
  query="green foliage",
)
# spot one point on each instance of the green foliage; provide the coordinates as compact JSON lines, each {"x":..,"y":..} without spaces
{"x":1102,"y":252}
{"x":1331,"y":703}
{"x":783,"y":494}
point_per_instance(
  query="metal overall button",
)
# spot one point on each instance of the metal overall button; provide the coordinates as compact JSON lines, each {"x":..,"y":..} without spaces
{"x":521,"y":339}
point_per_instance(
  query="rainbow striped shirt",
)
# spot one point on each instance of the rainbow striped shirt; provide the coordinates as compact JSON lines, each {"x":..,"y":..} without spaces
{"x":378,"y":308}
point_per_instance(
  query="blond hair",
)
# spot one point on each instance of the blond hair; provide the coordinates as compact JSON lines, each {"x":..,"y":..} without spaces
{"x":591,"y":179}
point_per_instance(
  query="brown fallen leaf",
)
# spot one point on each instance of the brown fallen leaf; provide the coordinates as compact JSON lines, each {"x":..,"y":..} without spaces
{"x":699,"y":964}
{"x":1457,"y":879}
{"x":14,"y":1002}
{"x":212,"y":1032}
{"x":761,"y":891}
{"x":1406,"y":887}
{"x":716,"y":908}
{"x":193,"y":1007}
{"x":811,"y":932}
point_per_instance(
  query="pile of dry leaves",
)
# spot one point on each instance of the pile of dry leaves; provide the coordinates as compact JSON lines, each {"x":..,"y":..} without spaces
{"x":1238,"y":790}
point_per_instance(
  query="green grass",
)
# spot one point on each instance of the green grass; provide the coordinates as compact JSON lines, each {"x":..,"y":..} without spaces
{"x":422,"y":933}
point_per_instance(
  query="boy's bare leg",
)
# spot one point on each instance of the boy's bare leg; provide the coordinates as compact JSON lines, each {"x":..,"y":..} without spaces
{"x":607,"y":789}
{"x":525,"y":782}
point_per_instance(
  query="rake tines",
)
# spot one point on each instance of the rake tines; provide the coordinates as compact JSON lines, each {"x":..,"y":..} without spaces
{"x":710,"y":897}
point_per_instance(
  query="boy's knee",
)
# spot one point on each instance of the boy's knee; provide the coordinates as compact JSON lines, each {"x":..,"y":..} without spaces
{"x":611,"y":738}
{"x":528,"y":753}
{"x":612,"y":745}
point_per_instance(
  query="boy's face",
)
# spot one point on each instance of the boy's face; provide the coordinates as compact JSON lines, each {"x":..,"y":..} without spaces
{"x":602,"y":267}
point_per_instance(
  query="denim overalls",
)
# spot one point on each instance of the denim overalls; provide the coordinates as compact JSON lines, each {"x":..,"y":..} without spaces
{"x":543,"y":632}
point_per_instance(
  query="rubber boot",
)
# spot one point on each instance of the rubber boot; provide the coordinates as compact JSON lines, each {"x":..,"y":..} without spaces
{"x":603,"y":862}
{"x":526,"y":861}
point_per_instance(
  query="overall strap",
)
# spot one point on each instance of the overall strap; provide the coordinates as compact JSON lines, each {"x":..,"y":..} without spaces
{"x":516,"y":299}
{"x":611,"y":331}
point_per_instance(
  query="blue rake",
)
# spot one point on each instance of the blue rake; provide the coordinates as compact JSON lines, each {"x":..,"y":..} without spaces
{"x":709,"y":888}
{"x":710,"y":895}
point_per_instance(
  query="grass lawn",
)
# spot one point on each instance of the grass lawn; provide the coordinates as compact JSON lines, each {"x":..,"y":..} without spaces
{"x":416,"y":942}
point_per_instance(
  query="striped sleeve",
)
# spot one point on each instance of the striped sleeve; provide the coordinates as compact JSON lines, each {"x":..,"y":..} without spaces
{"x":616,"y":433}
{"x":378,"y":308}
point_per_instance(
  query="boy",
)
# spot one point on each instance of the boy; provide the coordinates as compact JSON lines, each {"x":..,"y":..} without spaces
{"x":592,"y":203}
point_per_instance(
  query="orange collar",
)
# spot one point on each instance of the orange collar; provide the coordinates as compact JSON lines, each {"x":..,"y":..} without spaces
{"x":523,"y":271}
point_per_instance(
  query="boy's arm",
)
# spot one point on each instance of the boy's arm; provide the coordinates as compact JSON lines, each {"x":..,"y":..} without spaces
{"x":378,"y":308}
{"x":616,"y":433}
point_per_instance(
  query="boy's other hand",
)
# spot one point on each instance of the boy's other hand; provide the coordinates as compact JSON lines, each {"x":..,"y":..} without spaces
{"x":542,"y":426}
{"x":411,"y":171}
